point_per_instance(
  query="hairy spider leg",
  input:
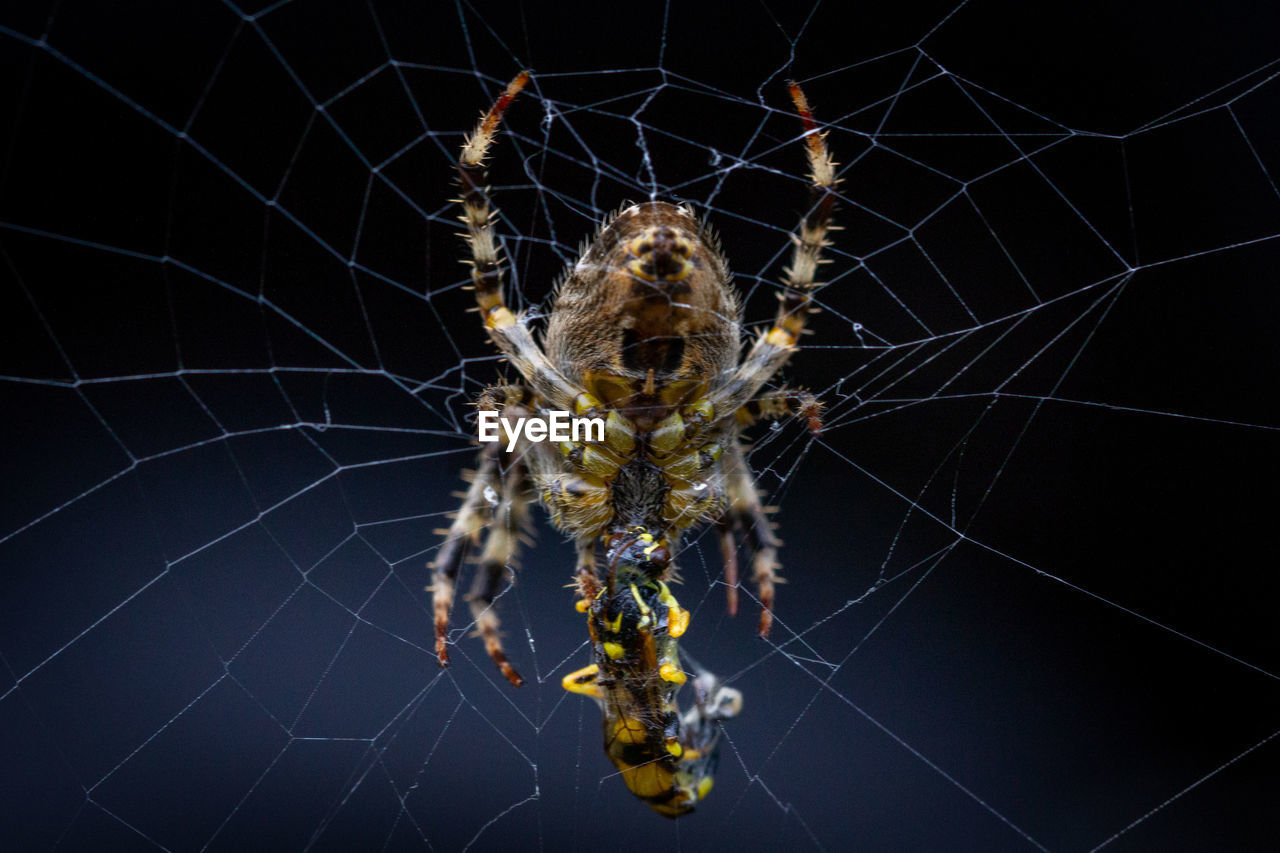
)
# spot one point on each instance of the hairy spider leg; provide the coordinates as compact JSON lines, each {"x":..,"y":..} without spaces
{"x":746,"y":516}
{"x":510,"y":333}
{"x":471,"y":518}
{"x":738,"y":519}
{"x":497,"y":501}
{"x":544,"y":386}
{"x":773,"y":349}
{"x":510,"y":524}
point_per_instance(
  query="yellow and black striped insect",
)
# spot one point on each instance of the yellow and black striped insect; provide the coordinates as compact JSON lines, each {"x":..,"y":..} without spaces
{"x":645,"y":333}
{"x":665,"y":758}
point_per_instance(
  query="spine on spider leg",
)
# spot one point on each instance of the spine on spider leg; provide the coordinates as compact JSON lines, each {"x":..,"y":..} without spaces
{"x":473,"y":174}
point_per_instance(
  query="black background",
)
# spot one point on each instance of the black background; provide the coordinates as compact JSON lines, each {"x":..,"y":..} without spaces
{"x":235,"y":360}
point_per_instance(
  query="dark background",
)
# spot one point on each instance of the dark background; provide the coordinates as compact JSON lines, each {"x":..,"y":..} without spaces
{"x":234,"y":382}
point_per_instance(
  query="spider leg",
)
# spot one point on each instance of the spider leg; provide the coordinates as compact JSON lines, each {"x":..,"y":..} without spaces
{"x":772,"y":350}
{"x":727,"y":530}
{"x":497,"y":500}
{"x":509,"y":523}
{"x":511,"y":334}
{"x":780,"y":404}
{"x":510,"y":399}
{"x":747,"y":516}
{"x":585,"y":578}
{"x":472,"y":517}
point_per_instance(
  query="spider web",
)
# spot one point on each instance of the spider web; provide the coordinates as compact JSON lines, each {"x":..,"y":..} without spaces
{"x":1031,"y":595}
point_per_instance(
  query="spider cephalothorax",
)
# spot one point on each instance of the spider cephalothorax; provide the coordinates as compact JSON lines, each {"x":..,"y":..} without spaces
{"x":645,"y":335}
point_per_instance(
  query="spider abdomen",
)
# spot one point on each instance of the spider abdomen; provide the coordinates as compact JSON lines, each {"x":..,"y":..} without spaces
{"x":650,"y":295}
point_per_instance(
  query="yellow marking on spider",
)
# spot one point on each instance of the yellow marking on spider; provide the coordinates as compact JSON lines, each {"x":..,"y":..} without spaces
{"x":674,"y":747}
{"x":615,"y":651}
{"x":615,"y":626}
{"x":780,"y":337}
{"x":596,"y":461}
{"x":618,"y":435}
{"x":585,"y":403}
{"x":651,"y":548}
{"x":582,"y":605}
{"x":704,"y":787}
{"x":500,"y":318}
{"x":637,"y":269}
{"x":668,"y":434}
{"x":583,"y":682}
{"x":702,"y":409}
{"x":671,"y":672}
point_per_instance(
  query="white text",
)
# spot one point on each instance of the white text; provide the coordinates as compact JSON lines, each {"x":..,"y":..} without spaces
{"x":557,"y":426}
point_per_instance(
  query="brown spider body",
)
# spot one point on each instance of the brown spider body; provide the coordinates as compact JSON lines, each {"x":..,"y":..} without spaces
{"x":643,"y":322}
{"x":651,"y":293}
{"x":645,"y":335}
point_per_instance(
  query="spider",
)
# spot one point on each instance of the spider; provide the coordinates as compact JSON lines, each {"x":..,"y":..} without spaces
{"x":645,"y":334}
